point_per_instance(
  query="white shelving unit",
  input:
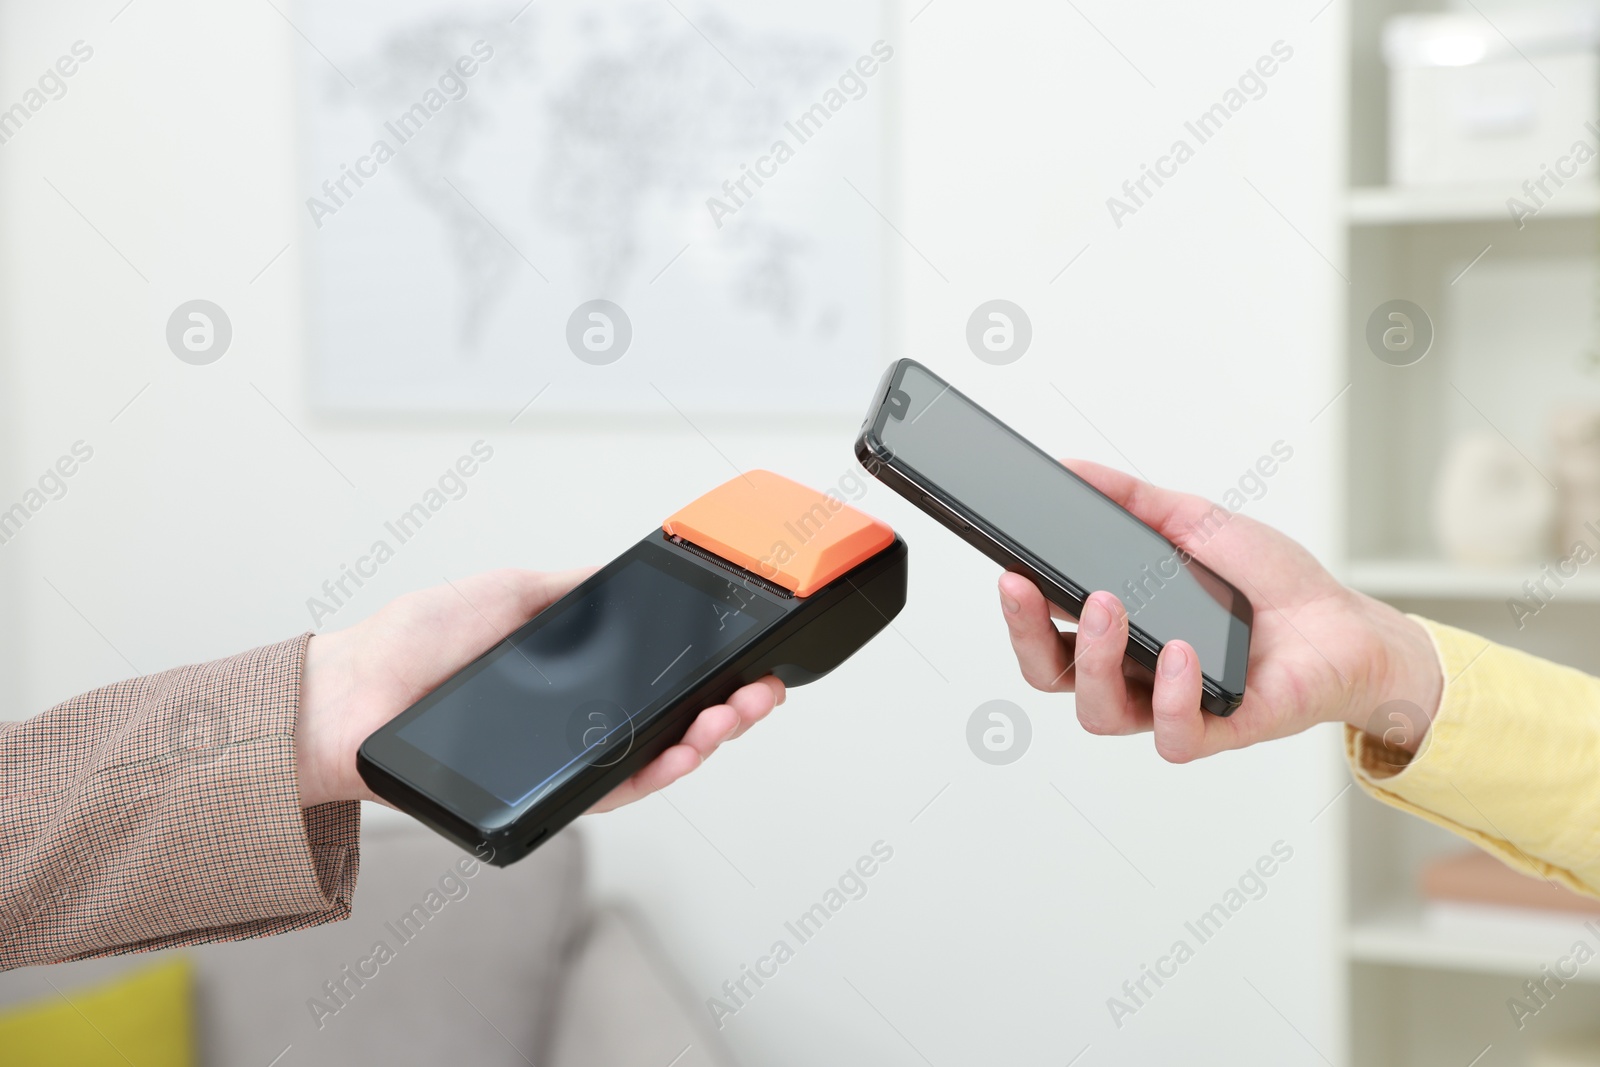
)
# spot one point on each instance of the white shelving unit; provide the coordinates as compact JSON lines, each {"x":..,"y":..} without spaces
{"x":1400,"y":938}
{"x":1514,"y":312}
{"x":1382,"y":206}
{"x":1428,"y":579}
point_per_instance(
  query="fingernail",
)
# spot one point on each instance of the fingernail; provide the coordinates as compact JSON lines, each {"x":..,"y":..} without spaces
{"x":1174,"y":660}
{"x":1096,"y":620}
{"x":1011,"y":606}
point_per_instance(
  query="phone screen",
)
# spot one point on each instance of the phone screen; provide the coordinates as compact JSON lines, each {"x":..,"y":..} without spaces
{"x":569,"y":689}
{"x":949,"y":444}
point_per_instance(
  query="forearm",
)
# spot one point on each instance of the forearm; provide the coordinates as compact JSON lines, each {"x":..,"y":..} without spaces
{"x":1510,"y":761}
{"x":165,"y":810}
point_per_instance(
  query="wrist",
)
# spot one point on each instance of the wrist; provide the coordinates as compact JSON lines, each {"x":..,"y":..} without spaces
{"x":1402,"y":686}
{"x":318,"y":740}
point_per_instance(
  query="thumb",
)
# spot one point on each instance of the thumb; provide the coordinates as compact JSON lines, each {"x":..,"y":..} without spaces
{"x":1180,"y":724}
{"x":507,"y":598}
{"x":1174,"y":515}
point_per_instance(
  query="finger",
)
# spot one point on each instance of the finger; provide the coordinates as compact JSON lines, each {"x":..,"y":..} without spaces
{"x":1043,"y":653}
{"x":710,"y":728}
{"x":755,"y":702}
{"x":659,"y":773}
{"x":1180,"y":724}
{"x":1103,"y":706}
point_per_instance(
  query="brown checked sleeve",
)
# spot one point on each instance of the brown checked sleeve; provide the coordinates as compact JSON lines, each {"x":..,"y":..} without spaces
{"x":165,"y":811}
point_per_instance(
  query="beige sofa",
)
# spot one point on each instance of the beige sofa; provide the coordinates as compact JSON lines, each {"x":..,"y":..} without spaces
{"x":516,"y":967}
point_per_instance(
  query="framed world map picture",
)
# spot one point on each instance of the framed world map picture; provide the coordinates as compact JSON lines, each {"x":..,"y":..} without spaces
{"x":610,"y":207}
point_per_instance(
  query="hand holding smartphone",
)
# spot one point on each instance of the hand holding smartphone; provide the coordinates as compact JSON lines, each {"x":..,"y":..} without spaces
{"x":1029,"y":513}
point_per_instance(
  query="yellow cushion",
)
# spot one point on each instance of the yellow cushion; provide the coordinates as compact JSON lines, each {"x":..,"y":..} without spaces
{"x":145,"y":1018}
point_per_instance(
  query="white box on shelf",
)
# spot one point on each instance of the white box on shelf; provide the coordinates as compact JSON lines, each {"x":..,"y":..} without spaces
{"x":1473,"y":101}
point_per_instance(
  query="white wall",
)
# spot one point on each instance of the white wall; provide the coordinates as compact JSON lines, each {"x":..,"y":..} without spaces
{"x":1193,"y":337}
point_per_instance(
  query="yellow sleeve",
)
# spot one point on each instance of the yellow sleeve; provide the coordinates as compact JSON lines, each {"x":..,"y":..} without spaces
{"x":1511,"y":763}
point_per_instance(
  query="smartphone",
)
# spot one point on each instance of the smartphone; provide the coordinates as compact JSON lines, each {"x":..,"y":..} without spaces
{"x":528,"y":736}
{"x":1026,"y":511}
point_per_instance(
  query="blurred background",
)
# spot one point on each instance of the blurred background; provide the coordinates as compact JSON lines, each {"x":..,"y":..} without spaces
{"x":1172,"y":238}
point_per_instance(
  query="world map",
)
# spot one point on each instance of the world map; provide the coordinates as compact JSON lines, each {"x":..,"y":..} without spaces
{"x":474,"y":173}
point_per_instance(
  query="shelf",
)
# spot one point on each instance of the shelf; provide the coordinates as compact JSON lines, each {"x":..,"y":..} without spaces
{"x":1400,"y":938}
{"x":1433,"y":580}
{"x":1382,"y":206}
